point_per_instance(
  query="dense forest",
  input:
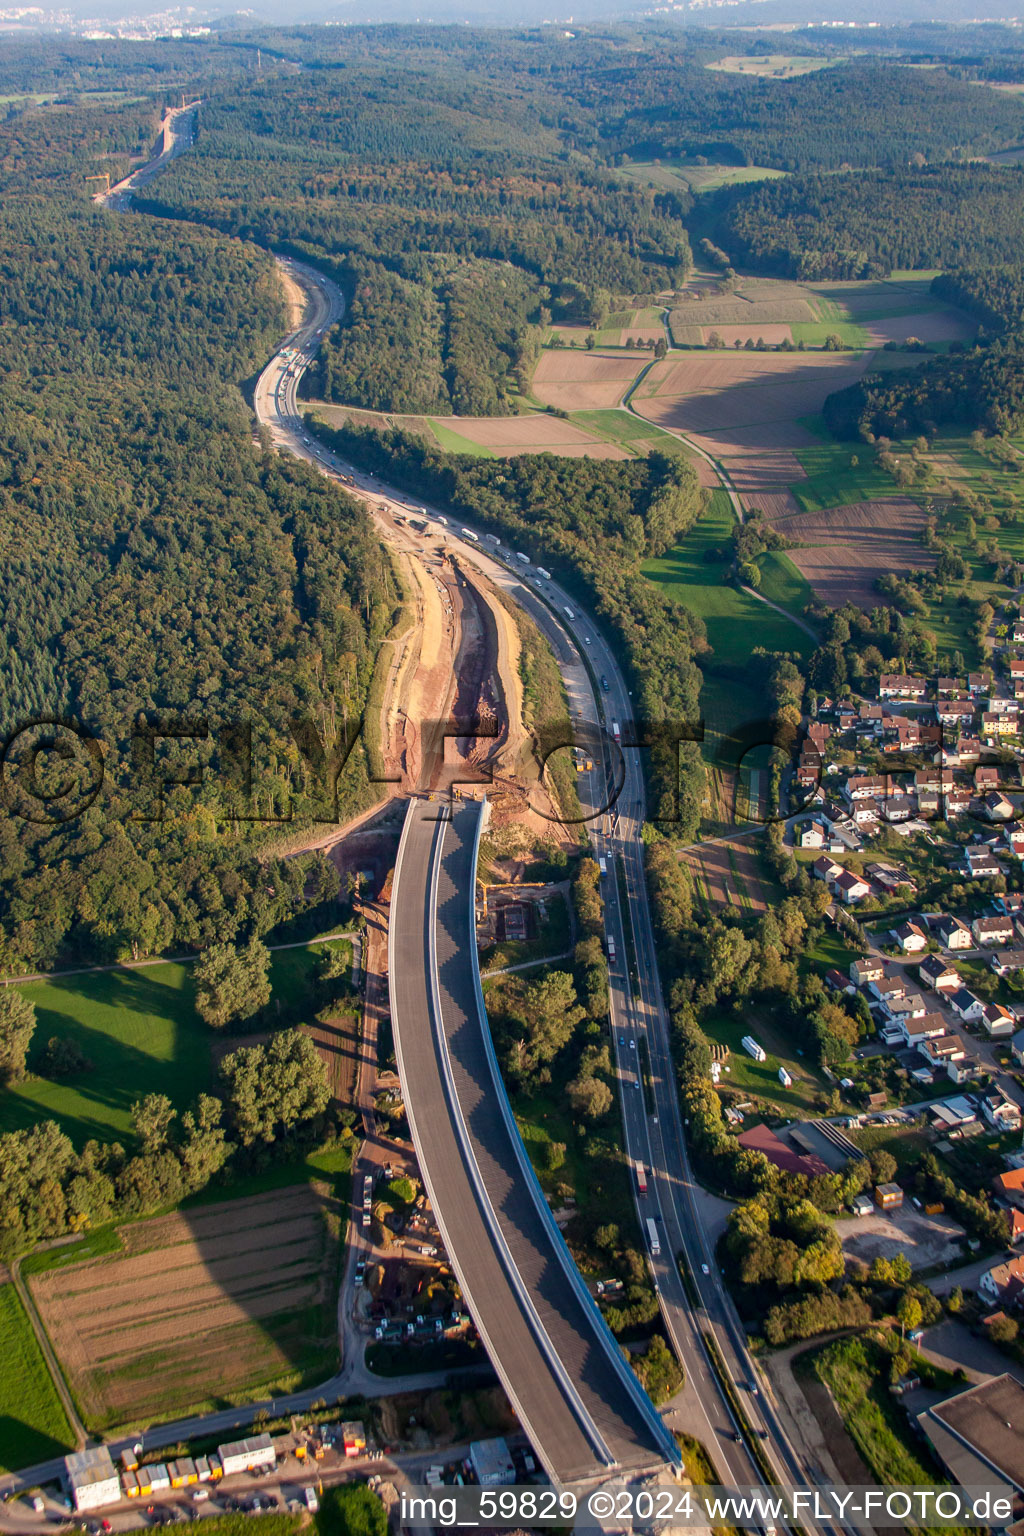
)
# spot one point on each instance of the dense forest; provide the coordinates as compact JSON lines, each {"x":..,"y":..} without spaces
{"x":866,"y":223}
{"x":981,"y":387}
{"x":160,"y":573}
{"x":451,"y":219}
{"x":591,"y":521}
{"x":993,"y":294}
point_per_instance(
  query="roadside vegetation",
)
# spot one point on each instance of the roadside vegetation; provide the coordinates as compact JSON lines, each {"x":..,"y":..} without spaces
{"x":33,"y":1424}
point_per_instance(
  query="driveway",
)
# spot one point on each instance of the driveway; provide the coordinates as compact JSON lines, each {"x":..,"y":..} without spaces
{"x":951,"y":1344}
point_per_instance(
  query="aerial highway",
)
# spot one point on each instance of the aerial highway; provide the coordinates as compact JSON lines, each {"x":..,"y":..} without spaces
{"x":654,"y":1137}
{"x":563,"y":1371}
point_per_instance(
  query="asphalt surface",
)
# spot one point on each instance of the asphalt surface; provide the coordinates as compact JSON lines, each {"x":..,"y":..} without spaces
{"x":561,"y":1369}
{"x":636,"y":998}
{"x":637,"y":1004}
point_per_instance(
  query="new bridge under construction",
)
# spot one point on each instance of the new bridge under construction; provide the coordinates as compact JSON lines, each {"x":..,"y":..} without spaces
{"x":565,"y":1375}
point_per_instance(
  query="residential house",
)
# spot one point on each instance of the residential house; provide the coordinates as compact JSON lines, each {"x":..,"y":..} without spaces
{"x":850,"y":888}
{"x":864,"y":813}
{"x":899,"y":686}
{"x":913,"y":1006}
{"x":952,"y":933}
{"x":1000,"y":1112}
{"x":980,"y":864}
{"x":954,"y":711}
{"x":899,"y":808}
{"x":1015,"y":841}
{"x":813,"y":835}
{"x":835,"y":980}
{"x":888,"y":986}
{"x":890,"y":877}
{"x":939,"y":1050}
{"x":1017,"y":1047}
{"x":929,"y":803}
{"x":865,"y":786}
{"x":996,"y":1022}
{"x":966,"y":1006}
{"x":996,"y":807}
{"x":910,"y":937}
{"x":956,"y":802}
{"x":1004,"y":1282}
{"x":993,"y":930}
{"x":818,"y":734}
{"x":939,"y":974}
{"x":948,"y":687}
{"x":921,"y":1027}
{"x":1016,"y":1226}
{"x":986,"y":777}
{"x":1007,"y":961}
{"x":977,"y":682}
{"x":1015,"y":667}
{"x":1004,"y":706}
{"x":997,"y":725}
{"x":968,"y":749}
{"x":867,"y":968}
{"x":826,"y":869}
{"x":1010,"y":1187}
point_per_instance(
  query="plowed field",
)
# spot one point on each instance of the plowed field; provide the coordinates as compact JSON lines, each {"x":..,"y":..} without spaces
{"x":583,"y":381}
{"x":200,"y":1306}
{"x":845,"y":548}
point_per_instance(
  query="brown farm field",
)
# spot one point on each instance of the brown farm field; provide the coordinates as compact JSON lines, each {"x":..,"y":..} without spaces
{"x":532,"y":434}
{"x":712,"y":391}
{"x":583,"y":381}
{"x":843,"y":549}
{"x":201,"y":1307}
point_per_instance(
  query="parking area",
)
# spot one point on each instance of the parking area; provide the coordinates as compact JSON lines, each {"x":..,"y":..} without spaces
{"x":926,"y":1240}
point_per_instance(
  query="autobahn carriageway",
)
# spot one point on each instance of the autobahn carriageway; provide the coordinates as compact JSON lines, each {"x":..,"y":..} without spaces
{"x":579,"y":1401}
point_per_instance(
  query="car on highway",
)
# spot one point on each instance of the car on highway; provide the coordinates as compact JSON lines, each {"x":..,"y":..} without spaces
{"x":632,"y":1045}
{"x":705,"y":1270}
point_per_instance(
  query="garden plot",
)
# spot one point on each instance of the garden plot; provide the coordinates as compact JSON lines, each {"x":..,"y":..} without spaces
{"x":199,"y":1306}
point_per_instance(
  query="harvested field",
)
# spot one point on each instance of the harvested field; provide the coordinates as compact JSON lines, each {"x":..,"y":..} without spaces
{"x":771,"y":335}
{"x":844,"y":549}
{"x":580,"y":381}
{"x":789,"y":307}
{"x":534,"y":434}
{"x":200,"y":1306}
{"x":931,"y":325}
{"x":717,"y":392}
{"x":634,"y":333}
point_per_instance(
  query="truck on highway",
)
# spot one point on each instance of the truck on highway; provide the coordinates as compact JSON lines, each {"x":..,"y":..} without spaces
{"x":492,"y":538}
{"x":467,"y":533}
{"x":641,"y":1178}
{"x":569,"y":613}
{"x":616,"y":733}
{"x":437,"y":518}
{"x":543,"y":574}
{"x":611,"y":949}
{"x":520,"y":556}
{"x":602,"y":865}
{"x":653,"y":1240}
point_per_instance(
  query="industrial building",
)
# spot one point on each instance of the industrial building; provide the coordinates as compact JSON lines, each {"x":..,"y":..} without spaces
{"x":980,"y":1432}
{"x":92,"y":1478}
{"x":246,"y":1455}
{"x":888,"y":1197}
{"x":492,"y":1463}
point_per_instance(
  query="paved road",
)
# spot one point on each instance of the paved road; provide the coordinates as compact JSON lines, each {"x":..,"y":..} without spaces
{"x":636,"y":1000}
{"x":563,"y":1372}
